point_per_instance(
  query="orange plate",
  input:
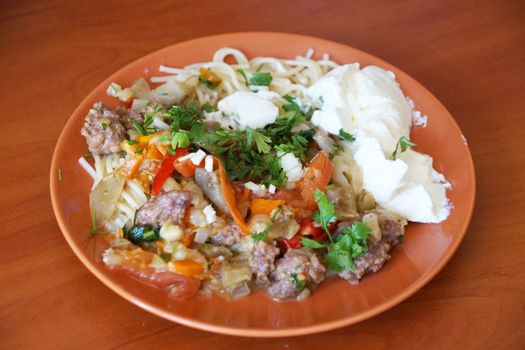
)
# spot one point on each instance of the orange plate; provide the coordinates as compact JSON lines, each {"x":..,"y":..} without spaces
{"x":426,"y":249}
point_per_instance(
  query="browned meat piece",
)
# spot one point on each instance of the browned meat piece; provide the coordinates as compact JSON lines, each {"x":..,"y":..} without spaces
{"x":127,"y":117}
{"x":391,"y":229}
{"x":102,"y":129}
{"x":167,"y":206}
{"x":370,"y":261}
{"x":294,"y":271}
{"x":391,"y":232}
{"x":262,"y":261}
{"x":227,"y":236}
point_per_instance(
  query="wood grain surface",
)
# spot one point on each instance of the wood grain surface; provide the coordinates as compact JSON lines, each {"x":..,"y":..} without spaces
{"x":470,"y":54}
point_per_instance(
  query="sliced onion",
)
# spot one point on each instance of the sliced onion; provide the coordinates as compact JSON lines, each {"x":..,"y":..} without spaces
{"x":239,"y":290}
{"x":104,"y":197}
{"x":201,"y":235}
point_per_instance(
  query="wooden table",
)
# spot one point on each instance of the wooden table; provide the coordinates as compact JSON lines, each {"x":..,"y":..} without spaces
{"x":471,"y":55}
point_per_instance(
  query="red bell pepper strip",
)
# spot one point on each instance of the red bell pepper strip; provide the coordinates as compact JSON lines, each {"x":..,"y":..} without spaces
{"x":292,"y":243}
{"x":166,"y":169}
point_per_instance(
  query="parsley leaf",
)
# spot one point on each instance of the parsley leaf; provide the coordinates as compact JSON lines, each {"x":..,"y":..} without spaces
{"x":326,"y":213}
{"x":105,"y":126}
{"x":350,"y":243}
{"x":261,"y":141}
{"x":184,"y":117}
{"x":261,"y":78}
{"x":180,"y":140}
{"x":339,"y":260}
{"x":299,"y":281}
{"x":260,"y":236}
{"x":346,"y":136}
{"x":402,"y":144}
{"x":307,"y":242}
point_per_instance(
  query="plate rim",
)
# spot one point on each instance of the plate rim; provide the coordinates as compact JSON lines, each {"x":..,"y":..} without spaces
{"x":255,"y":331}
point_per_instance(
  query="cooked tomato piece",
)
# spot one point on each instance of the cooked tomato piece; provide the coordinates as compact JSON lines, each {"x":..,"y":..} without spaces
{"x":316,"y":176}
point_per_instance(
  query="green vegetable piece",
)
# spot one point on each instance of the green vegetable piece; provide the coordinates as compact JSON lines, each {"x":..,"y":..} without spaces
{"x":307,"y":242}
{"x":138,"y":127}
{"x":180,"y":140}
{"x":403,"y":144}
{"x":261,"y":79}
{"x":326,"y":213}
{"x":260,"y":236}
{"x":346,"y":136}
{"x":139,"y":234}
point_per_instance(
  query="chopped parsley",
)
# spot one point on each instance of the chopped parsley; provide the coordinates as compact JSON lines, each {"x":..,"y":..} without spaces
{"x":170,"y":150}
{"x":131,"y":142}
{"x":403,"y":144}
{"x":88,"y":155}
{"x":139,"y":150}
{"x":180,"y":140}
{"x":326,"y":213}
{"x":260,"y":236}
{"x":262,"y":142}
{"x":261,"y":79}
{"x":350,"y":242}
{"x":307,"y":242}
{"x":346,"y":136}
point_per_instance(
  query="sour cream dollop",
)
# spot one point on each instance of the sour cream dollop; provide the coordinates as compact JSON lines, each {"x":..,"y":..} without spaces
{"x":369,"y":104}
{"x":249,"y":109}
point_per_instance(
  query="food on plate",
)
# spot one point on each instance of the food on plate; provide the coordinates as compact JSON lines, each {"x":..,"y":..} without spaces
{"x":270,"y":174}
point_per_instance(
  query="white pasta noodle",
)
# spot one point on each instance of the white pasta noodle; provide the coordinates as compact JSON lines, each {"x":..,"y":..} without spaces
{"x":290,"y":76}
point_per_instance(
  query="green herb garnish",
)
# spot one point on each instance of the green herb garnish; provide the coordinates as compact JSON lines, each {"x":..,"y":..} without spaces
{"x":346,"y":136}
{"x":260,"y":236}
{"x":326,"y":213}
{"x":180,"y":140}
{"x":403,"y":144}
{"x":138,"y":127}
{"x":261,"y":78}
{"x":307,"y":242}
{"x":350,"y":243}
{"x":139,"y":234}
{"x":139,"y":150}
{"x":105,"y":126}
{"x":170,"y":150}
